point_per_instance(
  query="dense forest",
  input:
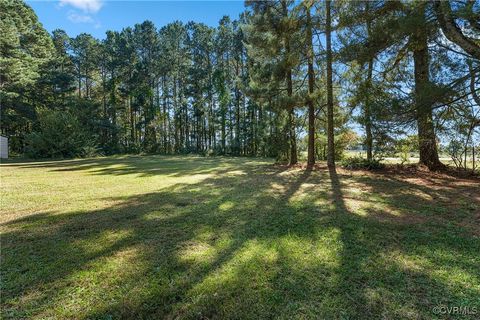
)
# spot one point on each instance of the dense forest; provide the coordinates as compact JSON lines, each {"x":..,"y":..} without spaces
{"x":286,"y":78}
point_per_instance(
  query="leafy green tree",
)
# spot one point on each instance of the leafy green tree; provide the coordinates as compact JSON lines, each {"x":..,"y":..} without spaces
{"x":26,"y":49}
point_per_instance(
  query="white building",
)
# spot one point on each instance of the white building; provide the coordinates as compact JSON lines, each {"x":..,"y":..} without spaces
{"x":3,"y":147}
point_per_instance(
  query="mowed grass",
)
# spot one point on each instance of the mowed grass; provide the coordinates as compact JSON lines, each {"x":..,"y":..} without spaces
{"x":154,"y":237}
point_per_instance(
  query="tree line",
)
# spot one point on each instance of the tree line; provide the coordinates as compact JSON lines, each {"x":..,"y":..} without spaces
{"x":284,"y":77}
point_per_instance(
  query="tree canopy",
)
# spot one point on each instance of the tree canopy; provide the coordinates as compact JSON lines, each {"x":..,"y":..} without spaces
{"x":282,"y":78}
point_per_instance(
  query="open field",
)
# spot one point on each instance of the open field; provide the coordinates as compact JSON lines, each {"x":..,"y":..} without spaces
{"x":413,"y":159}
{"x":215,"y":238}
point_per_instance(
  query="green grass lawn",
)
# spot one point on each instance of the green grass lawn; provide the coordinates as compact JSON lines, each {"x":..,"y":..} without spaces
{"x":157,"y":237}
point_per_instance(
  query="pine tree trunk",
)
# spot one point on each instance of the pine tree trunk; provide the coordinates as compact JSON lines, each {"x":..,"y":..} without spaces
{"x":311,"y":84}
{"x":367,"y":115}
{"x":224,"y":133}
{"x":423,"y":103}
{"x":132,"y":121}
{"x":330,"y":135}
{"x":291,"y":113}
{"x":293,"y":138}
{"x":237,"y":122}
{"x":291,"y":122}
{"x":175,"y":116}
{"x":165,"y":116}
{"x":367,"y":111}
{"x":230,"y":128}
{"x":79,"y":81}
{"x":113,"y":113}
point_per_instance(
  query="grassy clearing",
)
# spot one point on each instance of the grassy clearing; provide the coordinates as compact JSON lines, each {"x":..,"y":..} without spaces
{"x":170,"y":237}
{"x":413,"y":159}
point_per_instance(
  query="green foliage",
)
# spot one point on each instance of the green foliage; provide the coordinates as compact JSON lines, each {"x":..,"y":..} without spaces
{"x":59,"y":135}
{"x":24,"y":44}
{"x":404,"y":153}
{"x":25,"y":49}
{"x":385,"y":145}
{"x":463,"y":155}
{"x":344,"y":140}
{"x":356,"y":163}
{"x":240,"y":88}
{"x":405,"y":147}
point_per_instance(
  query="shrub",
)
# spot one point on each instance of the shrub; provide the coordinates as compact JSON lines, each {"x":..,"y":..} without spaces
{"x":210,"y":153}
{"x":361,"y":163}
{"x":404,"y":153}
{"x":405,"y":146}
{"x":59,"y":135}
{"x":343,"y":140}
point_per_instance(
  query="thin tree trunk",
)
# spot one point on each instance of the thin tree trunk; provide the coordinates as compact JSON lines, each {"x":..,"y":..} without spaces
{"x":367,"y":115}
{"x":237,"y":122}
{"x":79,"y":81}
{"x":230,"y":127}
{"x":175,"y":114}
{"x":367,"y":111}
{"x":291,"y":112}
{"x":291,"y":121}
{"x":473,"y":157}
{"x":330,"y":135}
{"x":224,"y":124}
{"x":132,"y":121}
{"x":311,"y":84}
{"x":165,"y":115}
{"x":113,"y":113}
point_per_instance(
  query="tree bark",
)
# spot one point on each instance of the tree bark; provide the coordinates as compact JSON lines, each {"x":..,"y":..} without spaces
{"x":293,"y":137}
{"x":423,"y":103}
{"x":311,"y":84}
{"x":165,"y":115}
{"x":291,"y":111}
{"x":367,"y":115}
{"x":236,"y":149}
{"x":330,"y":134}
{"x":452,"y":31}
{"x":113,"y":113}
{"x":291,"y":122}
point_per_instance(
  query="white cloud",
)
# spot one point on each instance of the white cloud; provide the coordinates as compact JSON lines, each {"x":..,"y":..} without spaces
{"x":88,"y":6}
{"x":79,"y":18}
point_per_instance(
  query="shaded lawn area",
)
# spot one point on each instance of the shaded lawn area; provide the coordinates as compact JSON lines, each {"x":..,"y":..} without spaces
{"x":214,"y":238}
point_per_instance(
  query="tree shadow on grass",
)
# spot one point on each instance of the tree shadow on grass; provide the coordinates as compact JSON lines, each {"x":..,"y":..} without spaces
{"x":266,"y":243}
{"x":399,"y":267}
{"x":174,"y":166}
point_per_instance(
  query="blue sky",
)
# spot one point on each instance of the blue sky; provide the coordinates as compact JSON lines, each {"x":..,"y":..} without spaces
{"x":98,"y":16}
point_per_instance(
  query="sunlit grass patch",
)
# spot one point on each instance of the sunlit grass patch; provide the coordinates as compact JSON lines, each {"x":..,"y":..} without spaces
{"x":171,"y":237}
